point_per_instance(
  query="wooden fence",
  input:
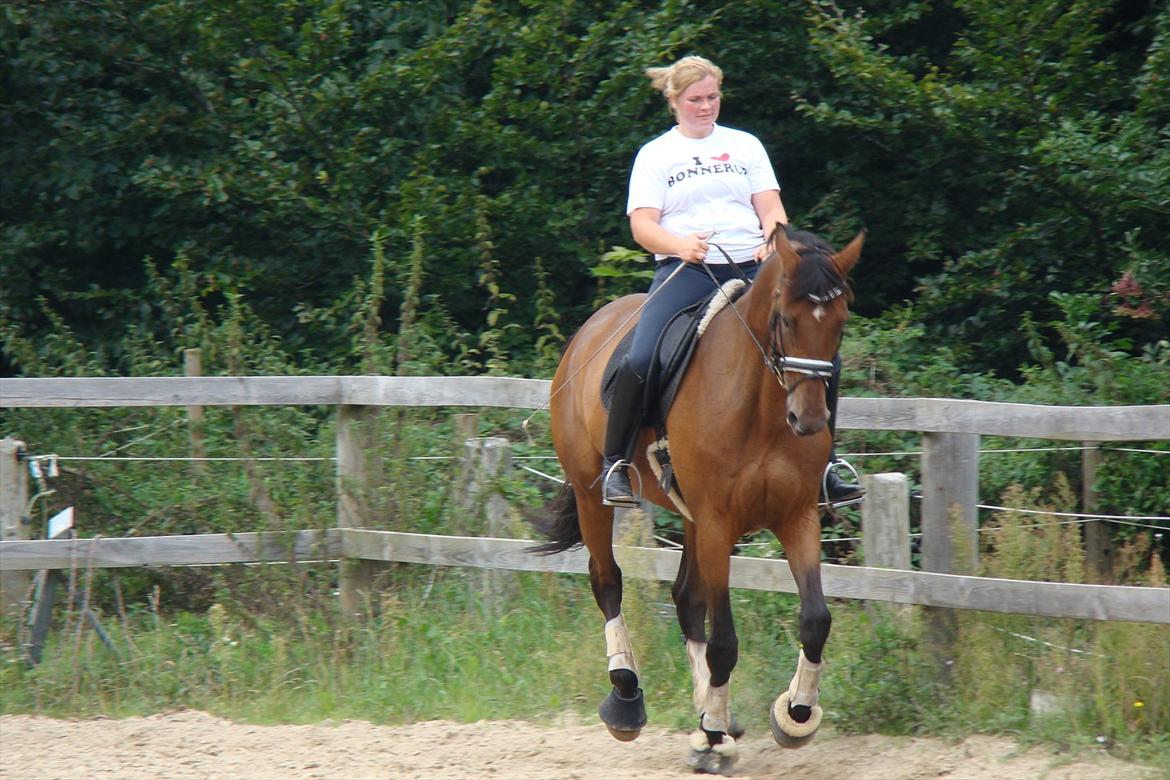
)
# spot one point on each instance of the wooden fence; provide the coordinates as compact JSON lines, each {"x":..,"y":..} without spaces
{"x":950,"y":432}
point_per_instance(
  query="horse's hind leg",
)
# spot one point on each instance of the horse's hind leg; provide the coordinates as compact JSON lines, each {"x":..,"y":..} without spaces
{"x":624,"y":710}
{"x":796,"y":714}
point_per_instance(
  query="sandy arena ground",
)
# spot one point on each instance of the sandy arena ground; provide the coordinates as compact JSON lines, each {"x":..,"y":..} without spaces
{"x":187,"y":744}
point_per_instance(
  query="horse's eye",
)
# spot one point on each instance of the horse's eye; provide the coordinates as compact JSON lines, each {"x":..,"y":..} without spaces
{"x":788,"y":323}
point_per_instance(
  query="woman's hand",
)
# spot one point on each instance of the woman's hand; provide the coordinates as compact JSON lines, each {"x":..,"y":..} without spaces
{"x":693,"y":248}
{"x":651,"y":236}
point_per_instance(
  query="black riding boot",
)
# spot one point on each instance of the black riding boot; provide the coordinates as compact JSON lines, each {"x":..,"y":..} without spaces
{"x":835,"y":488}
{"x":621,"y":434}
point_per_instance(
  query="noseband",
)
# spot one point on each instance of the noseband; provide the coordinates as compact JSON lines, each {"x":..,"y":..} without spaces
{"x":779,"y":362}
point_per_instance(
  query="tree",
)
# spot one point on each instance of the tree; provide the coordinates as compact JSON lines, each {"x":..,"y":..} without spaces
{"x":997,"y":151}
{"x":1028,"y":156}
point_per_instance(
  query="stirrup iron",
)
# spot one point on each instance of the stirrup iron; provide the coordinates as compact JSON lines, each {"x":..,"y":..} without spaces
{"x":621,"y":463}
{"x":825,"y":486}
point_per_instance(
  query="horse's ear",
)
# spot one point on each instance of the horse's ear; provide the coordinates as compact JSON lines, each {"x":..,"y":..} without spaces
{"x":783,"y":247}
{"x":848,"y":257}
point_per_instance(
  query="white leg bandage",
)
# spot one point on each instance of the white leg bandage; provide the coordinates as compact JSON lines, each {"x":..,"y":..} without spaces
{"x":716,"y":714}
{"x":711,"y":702}
{"x":805,"y":683}
{"x":618,"y":646}
{"x":700,"y":674}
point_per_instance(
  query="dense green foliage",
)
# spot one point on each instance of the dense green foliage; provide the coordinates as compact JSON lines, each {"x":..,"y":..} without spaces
{"x":996,"y":151}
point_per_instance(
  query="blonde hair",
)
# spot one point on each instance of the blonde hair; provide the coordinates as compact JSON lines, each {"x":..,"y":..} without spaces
{"x":672,"y":80}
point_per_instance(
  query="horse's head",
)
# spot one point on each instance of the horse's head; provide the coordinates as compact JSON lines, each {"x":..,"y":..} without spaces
{"x":810,"y":305}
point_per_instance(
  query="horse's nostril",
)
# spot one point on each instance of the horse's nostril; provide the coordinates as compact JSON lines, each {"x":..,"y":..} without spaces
{"x":794,"y":421}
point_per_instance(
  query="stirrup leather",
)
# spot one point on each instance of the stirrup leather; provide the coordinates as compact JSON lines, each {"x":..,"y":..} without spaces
{"x":825,"y":485}
{"x":632,"y":501}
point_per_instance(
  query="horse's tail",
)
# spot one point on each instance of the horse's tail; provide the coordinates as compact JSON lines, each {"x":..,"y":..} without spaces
{"x":563,"y":528}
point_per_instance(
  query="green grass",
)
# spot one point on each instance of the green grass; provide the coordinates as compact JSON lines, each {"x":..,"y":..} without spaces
{"x":435,"y":650}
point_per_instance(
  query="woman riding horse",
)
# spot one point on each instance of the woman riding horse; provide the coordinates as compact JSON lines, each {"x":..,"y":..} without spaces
{"x":698,"y":184}
{"x":748,"y":431}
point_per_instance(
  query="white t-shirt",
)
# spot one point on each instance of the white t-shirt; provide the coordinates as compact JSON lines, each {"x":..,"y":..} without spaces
{"x":705,"y":184}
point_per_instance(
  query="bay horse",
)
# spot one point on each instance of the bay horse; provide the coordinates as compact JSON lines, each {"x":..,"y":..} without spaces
{"x":748,"y":444}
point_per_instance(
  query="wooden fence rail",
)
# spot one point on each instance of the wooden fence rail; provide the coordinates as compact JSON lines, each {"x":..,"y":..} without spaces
{"x":1047,"y":599}
{"x":927,"y":415}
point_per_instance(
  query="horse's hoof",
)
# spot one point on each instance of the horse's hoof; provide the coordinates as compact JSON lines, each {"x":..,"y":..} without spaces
{"x":708,"y":759}
{"x":707,"y":763}
{"x":623,"y":717}
{"x":788,"y":732}
{"x":623,"y":736}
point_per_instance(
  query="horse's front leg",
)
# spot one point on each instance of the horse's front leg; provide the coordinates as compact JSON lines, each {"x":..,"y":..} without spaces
{"x":624,"y":710}
{"x":713,"y":743}
{"x":796,"y":713}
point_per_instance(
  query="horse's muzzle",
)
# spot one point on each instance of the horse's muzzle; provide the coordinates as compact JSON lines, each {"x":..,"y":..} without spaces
{"x":807,"y":425}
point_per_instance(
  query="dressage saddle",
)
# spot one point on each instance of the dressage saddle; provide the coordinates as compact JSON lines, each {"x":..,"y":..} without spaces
{"x":672,"y":355}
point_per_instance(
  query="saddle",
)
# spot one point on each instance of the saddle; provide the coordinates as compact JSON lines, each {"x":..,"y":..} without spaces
{"x":672,"y":355}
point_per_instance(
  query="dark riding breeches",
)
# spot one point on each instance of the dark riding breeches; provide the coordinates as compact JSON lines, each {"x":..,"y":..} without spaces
{"x":692,"y":284}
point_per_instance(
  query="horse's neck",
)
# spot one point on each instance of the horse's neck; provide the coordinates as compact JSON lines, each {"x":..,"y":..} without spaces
{"x":758,"y":300}
{"x":751,"y":349}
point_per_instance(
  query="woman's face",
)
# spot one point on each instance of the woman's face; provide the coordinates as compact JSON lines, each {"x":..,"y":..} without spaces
{"x":697,"y":108}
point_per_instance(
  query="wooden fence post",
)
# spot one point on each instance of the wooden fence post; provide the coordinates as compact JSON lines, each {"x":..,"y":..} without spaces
{"x":466,"y":427}
{"x":193,"y":366}
{"x":885,"y":521}
{"x":356,"y":580}
{"x":632,"y":527}
{"x":1098,"y":544}
{"x":950,"y":494}
{"x":14,"y":523}
{"x":950,"y":526}
{"x":486,"y":459}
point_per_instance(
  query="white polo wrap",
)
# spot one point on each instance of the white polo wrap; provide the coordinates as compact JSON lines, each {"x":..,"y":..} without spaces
{"x":617,"y":645}
{"x":700,"y":673}
{"x":727,"y":748}
{"x":802,"y":691}
{"x":716,"y":715}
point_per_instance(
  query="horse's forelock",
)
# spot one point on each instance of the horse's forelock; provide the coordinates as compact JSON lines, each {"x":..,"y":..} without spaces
{"x":815,"y":274}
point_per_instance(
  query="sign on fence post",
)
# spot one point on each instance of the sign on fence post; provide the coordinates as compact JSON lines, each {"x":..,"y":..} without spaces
{"x":14,"y":524}
{"x":48,"y":580}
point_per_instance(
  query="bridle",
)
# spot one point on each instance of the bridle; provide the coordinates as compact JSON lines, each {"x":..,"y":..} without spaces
{"x":776,"y":358}
{"x":779,"y":361}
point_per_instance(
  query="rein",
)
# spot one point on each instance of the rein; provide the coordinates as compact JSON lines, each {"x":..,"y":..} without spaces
{"x":775,"y":359}
{"x":596,"y":352}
